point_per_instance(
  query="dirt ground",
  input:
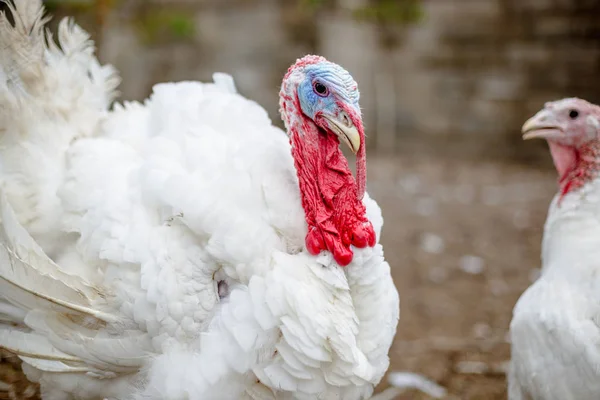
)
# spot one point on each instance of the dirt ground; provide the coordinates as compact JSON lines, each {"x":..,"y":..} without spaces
{"x":463,"y":239}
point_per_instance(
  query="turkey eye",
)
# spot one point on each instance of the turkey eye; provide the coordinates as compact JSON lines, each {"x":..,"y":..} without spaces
{"x":573,"y":114}
{"x":320,"y":89}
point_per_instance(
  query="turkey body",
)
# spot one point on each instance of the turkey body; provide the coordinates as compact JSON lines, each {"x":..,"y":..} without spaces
{"x":156,"y":250}
{"x":555,"y":331}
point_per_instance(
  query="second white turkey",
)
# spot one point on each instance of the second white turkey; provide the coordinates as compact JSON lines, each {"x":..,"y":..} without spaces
{"x":555,"y":330}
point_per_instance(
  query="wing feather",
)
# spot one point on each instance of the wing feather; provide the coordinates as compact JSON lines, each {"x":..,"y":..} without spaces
{"x":28,"y":277}
{"x":123,"y":351}
{"x":55,"y":365}
{"x":31,"y":345}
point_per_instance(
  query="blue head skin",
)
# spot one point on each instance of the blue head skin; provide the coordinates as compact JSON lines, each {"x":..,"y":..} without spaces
{"x":329,"y":96}
{"x":316,"y":91}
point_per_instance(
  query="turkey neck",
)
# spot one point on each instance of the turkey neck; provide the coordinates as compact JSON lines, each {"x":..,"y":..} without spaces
{"x":334,"y":213}
{"x":585,"y":165}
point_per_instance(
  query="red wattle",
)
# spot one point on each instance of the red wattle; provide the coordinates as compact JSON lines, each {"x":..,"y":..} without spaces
{"x":372,"y":237}
{"x":343,"y":257}
{"x":314,"y":241}
{"x":335,"y":215}
{"x":363,"y":236}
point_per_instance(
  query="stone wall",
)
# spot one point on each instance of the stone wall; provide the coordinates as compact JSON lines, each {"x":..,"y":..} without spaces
{"x":460,"y":81}
{"x":495,"y":62}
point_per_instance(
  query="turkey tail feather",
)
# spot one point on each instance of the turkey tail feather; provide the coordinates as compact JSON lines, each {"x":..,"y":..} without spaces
{"x":29,"y":54}
{"x":51,"y":93}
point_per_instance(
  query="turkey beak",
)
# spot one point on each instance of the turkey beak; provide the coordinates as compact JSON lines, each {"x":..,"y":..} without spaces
{"x":345,"y":130}
{"x":351,"y":132}
{"x":541,"y":126}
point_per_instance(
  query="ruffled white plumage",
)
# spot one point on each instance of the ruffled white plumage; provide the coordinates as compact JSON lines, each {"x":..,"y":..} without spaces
{"x":142,"y":210}
{"x":555,"y":332}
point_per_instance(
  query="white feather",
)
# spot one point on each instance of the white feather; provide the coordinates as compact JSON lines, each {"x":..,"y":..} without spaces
{"x":55,"y":365}
{"x":409,"y":380}
{"x":554,"y":332}
{"x":28,"y":277}
{"x":11,"y":314}
{"x":31,"y":345}
{"x":224,"y":81}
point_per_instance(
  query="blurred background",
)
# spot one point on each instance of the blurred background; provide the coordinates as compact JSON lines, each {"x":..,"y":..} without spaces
{"x":445,"y":87}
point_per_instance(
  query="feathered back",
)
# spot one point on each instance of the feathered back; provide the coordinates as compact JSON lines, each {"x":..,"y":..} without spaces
{"x":50,"y":94}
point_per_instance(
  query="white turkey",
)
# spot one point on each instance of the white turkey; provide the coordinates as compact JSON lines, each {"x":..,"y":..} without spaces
{"x":555,"y":330}
{"x":184,"y":248}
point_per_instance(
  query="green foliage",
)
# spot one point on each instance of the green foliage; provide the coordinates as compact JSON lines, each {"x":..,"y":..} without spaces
{"x":164,"y":25}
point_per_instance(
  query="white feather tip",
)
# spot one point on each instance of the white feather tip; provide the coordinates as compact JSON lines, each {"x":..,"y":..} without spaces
{"x":410,"y":380}
{"x":224,"y":81}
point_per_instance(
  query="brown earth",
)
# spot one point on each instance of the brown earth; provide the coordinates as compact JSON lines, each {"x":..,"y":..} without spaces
{"x":463,"y":239}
